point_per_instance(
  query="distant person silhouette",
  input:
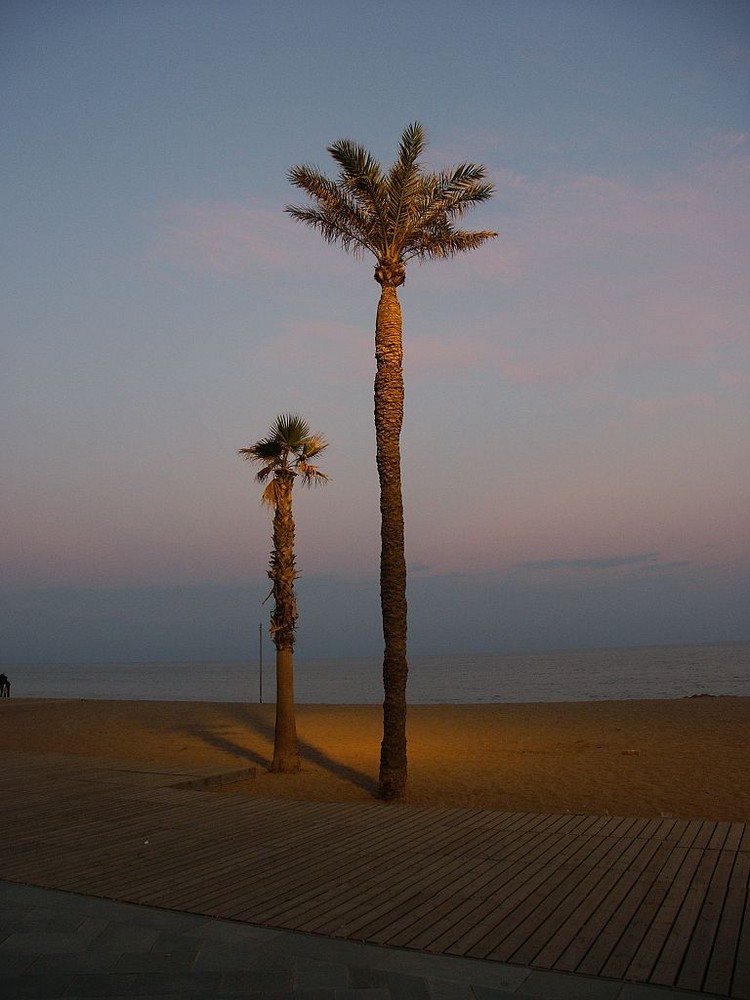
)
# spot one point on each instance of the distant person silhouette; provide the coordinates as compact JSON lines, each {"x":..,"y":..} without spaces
{"x":4,"y":686}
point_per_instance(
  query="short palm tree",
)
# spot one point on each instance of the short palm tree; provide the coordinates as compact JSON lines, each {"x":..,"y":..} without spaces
{"x":287,"y":452}
{"x":397,"y":216}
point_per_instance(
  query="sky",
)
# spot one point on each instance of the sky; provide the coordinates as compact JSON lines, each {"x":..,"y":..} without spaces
{"x":575,"y":459}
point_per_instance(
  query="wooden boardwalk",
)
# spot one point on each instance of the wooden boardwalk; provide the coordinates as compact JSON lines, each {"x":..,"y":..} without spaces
{"x":651,"y":901}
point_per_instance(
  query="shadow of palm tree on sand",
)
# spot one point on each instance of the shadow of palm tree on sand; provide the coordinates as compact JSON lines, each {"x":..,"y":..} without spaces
{"x":213,"y":736}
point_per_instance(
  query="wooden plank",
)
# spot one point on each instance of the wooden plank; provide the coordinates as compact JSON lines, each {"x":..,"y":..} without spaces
{"x":389,"y":865}
{"x":662,"y":859}
{"x":659,"y":899}
{"x":681,"y":923}
{"x":468,"y":935}
{"x":620,"y":941}
{"x":550,"y":907}
{"x":254,"y":855}
{"x":501,"y":943}
{"x":299,"y":881}
{"x":439,"y":931}
{"x":693,"y":829}
{"x":335,"y":911}
{"x":259,"y":851}
{"x":664,"y":829}
{"x":430,"y":906}
{"x":719,"y":836}
{"x":702,"y":940}
{"x":412,"y":869}
{"x":571,"y":941}
{"x":740,"y":987}
{"x":373,"y":866}
{"x":639,"y":947}
{"x":545,"y":944}
{"x":393,"y":918}
{"x":321,"y":909}
{"x":734,"y":836}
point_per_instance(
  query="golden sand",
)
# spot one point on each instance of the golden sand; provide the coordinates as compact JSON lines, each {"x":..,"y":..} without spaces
{"x":687,"y":758}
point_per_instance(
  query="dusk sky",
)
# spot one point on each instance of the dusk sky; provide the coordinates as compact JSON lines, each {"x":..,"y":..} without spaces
{"x":575,"y":448}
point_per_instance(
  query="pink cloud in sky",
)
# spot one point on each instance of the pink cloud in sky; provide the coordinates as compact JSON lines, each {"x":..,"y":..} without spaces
{"x":722,"y":141}
{"x":608,"y":273}
{"x":596,"y":515}
{"x":431,"y":357}
{"x":216,"y":236}
{"x":548,"y":221}
{"x":658,"y":225}
{"x":344,"y":352}
{"x":590,"y":212}
{"x":615,"y":273}
{"x":234,"y":239}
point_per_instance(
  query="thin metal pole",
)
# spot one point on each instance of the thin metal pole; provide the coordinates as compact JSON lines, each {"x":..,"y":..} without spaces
{"x":260,"y":663}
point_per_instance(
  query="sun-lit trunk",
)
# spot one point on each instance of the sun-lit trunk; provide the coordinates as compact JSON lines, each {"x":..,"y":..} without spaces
{"x":389,"y":411}
{"x":283,"y":619}
{"x":285,"y":754}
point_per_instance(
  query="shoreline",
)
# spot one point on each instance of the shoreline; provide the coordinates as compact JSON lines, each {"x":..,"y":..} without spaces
{"x":685,"y":758}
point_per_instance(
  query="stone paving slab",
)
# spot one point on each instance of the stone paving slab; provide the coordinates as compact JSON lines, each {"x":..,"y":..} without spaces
{"x":57,"y":944}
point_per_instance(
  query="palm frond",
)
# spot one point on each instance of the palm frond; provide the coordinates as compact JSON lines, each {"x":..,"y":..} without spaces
{"x":452,"y":194}
{"x":413,"y":143}
{"x":329,"y":195}
{"x":334,"y":229}
{"x":360,"y":175}
{"x":397,"y":216}
{"x":269,"y":496}
{"x":311,"y":475}
{"x":356,"y":164}
{"x":290,"y":430}
{"x":267,"y":450}
{"x":289,"y":447}
{"x":447,"y":242}
{"x":405,"y":186}
{"x":336,"y":213}
{"x":262,"y":474}
{"x":314,"y":444}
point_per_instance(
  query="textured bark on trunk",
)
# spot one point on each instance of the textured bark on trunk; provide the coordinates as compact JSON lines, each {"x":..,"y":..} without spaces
{"x":283,"y":620}
{"x":389,"y":411}
{"x":285,"y":756}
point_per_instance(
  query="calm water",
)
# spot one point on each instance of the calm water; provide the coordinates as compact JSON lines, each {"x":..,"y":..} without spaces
{"x":583,"y":675}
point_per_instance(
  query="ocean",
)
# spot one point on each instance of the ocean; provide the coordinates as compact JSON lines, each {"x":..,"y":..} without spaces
{"x":568,"y":675}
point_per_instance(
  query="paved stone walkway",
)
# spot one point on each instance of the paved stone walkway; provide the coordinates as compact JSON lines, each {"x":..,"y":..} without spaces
{"x":63,"y":945}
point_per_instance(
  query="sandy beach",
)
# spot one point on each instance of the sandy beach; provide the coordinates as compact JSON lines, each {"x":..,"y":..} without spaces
{"x":688,"y":758}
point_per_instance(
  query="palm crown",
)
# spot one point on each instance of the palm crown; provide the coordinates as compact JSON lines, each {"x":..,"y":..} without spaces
{"x":289,"y":447}
{"x":395,"y":215}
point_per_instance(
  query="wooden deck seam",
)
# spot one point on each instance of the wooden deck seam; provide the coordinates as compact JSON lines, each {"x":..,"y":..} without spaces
{"x":658,"y":900}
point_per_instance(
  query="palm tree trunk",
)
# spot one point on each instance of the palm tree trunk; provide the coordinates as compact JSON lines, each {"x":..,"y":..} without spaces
{"x":389,"y":412}
{"x":285,"y":756}
{"x":283,"y":619}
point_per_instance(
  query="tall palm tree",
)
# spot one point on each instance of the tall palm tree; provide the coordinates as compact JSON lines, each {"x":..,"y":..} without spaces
{"x":286,"y":453}
{"x":396,"y":215}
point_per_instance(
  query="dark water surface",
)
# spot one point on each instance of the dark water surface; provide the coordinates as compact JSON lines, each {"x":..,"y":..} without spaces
{"x":572,"y":675}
